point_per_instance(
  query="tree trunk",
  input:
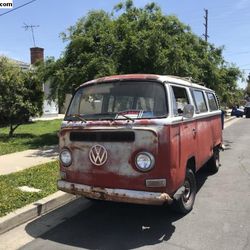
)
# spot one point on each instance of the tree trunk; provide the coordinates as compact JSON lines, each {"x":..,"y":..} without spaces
{"x":12,"y":129}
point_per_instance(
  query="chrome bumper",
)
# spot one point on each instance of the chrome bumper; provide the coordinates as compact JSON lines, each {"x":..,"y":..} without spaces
{"x":118,"y":195}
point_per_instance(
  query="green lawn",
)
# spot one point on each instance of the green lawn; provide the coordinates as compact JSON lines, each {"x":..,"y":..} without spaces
{"x":42,"y":177}
{"x":30,"y":136}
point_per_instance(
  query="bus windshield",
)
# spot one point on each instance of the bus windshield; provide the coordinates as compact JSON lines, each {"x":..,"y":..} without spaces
{"x":118,"y":100}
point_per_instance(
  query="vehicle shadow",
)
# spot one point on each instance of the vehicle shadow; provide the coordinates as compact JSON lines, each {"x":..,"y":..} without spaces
{"x":106,"y":225}
{"x":202,"y":176}
{"x":228,"y":144}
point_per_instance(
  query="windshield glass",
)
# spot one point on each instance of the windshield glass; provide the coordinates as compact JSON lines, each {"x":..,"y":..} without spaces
{"x":118,"y":100}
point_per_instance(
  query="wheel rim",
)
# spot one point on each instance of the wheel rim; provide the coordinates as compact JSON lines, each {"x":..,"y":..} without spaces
{"x":187,"y":192}
{"x":217,"y":160}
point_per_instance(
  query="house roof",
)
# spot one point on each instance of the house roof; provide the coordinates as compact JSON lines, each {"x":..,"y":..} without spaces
{"x":21,"y":64}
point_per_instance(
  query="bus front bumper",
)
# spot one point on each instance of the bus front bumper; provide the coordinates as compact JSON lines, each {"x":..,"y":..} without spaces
{"x":118,"y":195}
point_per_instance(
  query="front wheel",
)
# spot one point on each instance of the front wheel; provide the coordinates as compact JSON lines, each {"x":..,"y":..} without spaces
{"x":184,"y":204}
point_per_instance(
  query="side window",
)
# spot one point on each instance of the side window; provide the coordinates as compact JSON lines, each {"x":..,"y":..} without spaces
{"x":179,"y":100}
{"x":200,"y":102}
{"x":212,"y":102}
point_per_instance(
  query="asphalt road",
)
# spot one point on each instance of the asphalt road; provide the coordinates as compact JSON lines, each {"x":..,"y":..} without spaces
{"x":220,"y":218}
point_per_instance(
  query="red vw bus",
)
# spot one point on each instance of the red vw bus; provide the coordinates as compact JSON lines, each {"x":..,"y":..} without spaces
{"x":140,"y":139}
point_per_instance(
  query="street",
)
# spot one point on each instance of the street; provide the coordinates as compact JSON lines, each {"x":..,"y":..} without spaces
{"x":219,"y":219}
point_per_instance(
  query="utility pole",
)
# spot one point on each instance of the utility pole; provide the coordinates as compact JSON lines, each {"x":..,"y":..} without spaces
{"x":206,"y":25}
{"x":31,"y":27}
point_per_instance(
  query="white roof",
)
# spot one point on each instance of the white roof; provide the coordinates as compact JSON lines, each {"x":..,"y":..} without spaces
{"x":182,"y":81}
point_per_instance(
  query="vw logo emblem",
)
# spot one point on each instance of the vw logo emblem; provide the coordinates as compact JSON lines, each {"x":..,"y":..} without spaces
{"x":98,"y":155}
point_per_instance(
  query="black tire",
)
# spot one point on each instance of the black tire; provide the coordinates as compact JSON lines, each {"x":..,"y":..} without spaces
{"x":186,"y":201}
{"x":213,"y":164}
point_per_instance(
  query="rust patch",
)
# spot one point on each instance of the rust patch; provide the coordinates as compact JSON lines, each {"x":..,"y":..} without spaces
{"x":118,"y":195}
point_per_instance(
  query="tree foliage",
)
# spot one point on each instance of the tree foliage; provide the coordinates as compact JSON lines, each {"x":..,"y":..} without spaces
{"x":21,"y":95}
{"x":247,"y":90}
{"x":137,"y":40}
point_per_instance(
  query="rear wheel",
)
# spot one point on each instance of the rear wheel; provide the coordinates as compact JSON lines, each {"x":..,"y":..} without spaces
{"x":213,"y":164}
{"x":184,"y":204}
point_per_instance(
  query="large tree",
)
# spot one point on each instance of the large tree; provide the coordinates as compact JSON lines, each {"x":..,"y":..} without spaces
{"x":137,"y":40}
{"x":21,"y":95}
{"x":247,"y":90}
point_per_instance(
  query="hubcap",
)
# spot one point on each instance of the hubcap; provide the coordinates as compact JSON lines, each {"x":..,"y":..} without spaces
{"x":187,"y":191}
{"x":217,"y":160}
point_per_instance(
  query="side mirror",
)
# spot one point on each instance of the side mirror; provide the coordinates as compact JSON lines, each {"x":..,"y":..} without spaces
{"x":188,"y":111}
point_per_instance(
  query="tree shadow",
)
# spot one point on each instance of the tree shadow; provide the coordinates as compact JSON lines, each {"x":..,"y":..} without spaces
{"x":31,"y":140}
{"x":5,"y":137}
{"x":46,"y":151}
{"x":43,"y":140}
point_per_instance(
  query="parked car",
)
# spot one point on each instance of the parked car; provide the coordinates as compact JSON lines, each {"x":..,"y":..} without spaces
{"x":238,"y":112}
{"x":247,"y":110}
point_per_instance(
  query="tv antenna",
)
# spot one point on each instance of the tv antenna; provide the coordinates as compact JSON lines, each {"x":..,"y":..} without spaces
{"x":31,"y":27}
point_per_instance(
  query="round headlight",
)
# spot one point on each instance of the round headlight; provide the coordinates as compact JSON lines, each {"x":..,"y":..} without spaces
{"x":144,"y":161}
{"x":65,"y":157}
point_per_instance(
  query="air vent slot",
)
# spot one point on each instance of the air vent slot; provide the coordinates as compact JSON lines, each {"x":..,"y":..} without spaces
{"x":103,"y":136}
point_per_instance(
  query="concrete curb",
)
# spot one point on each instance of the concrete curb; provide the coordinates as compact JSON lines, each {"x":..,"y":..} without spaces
{"x":230,"y":119}
{"x":34,"y":210}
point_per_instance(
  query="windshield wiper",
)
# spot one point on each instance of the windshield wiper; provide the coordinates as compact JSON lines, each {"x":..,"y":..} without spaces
{"x":76,"y":116}
{"x":127,"y":117}
{"x":120,"y":113}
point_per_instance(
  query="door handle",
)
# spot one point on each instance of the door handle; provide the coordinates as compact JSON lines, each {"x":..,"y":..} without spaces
{"x":194,"y":131}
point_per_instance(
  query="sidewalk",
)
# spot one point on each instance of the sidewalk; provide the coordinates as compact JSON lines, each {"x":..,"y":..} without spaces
{"x":21,"y":160}
{"x":48,"y":117}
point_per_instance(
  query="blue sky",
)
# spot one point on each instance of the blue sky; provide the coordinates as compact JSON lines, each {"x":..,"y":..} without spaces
{"x":228,"y":24}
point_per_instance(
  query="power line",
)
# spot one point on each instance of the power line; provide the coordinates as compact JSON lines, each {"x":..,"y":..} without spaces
{"x":21,"y":6}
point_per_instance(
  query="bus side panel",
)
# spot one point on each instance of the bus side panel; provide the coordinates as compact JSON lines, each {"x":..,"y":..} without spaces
{"x":216,"y":127}
{"x":209,"y":135}
{"x":204,"y":140}
{"x":182,"y":148}
{"x":174,"y":160}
